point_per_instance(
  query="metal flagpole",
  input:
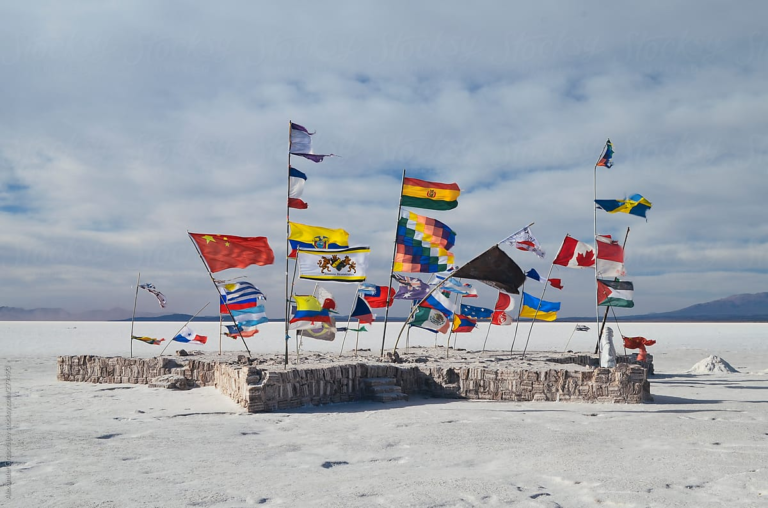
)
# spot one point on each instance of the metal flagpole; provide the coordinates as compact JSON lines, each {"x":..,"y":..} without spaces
{"x":392,"y":267}
{"x":594,"y":242}
{"x":221,"y":326}
{"x":450,"y":332}
{"x":357,"y":336}
{"x":182,"y":327}
{"x":537,"y":309}
{"x":349,"y":320}
{"x":517,"y":323}
{"x":213,"y":281}
{"x":605,"y":317}
{"x":407,"y":338}
{"x":569,"y":338}
{"x":287,"y":244}
{"x":133,"y":318}
{"x":487,"y":333}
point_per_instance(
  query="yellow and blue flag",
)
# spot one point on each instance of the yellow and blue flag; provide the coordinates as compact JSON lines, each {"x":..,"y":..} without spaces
{"x":314,"y":237}
{"x":547,"y":311}
{"x":634,"y":205}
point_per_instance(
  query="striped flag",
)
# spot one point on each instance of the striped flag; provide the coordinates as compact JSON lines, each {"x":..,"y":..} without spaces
{"x":431,"y":195}
{"x":296,"y":179}
{"x":238,"y":296}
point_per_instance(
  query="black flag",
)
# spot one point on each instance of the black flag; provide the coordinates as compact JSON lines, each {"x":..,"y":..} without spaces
{"x":495,"y":268}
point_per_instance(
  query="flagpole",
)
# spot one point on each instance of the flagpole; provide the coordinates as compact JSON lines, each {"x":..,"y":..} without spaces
{"x":537,"y":309}
{"x":220,"y":327}
{"x":349,"y":320}
{"x":287,"y":243}
{"x":133,"y":318}
{"x":407,"y":338}
{"x":487,"y":332}
{"x":607,"y":308}
{"x":569,"y":338}
{"x":357,"y":336}
{"x":392,"y":267}
{"x":594,"y":240}
{"x":182,"y":327}
{"x":213,"y":281}
{"x":517,"y":323}
{"x":455,"y":301}
{"x":290,"y":295}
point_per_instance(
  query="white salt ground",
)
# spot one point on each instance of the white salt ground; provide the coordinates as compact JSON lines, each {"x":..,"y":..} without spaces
{"x":702,"y":443}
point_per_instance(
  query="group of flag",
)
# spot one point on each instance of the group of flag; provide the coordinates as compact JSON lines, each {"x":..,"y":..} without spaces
{"x":422,"y":245}
{"x":243,"y":302}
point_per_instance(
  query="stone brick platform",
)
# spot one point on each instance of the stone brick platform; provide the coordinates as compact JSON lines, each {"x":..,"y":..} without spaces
{"x":263,"y":388}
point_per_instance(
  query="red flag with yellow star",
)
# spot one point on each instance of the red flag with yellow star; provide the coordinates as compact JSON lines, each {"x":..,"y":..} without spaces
{"x":226,"y":251}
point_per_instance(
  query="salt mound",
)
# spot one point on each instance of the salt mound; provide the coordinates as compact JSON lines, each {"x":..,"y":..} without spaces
{"x":712,"y":364}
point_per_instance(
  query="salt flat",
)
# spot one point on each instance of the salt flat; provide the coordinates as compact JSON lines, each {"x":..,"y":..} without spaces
{"x":701,"y":443}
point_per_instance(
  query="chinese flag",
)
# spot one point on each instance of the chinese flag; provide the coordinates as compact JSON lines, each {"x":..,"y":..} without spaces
{"x":225,"y":251}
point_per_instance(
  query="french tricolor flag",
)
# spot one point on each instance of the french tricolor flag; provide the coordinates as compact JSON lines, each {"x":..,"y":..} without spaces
{"x":297,"y":179}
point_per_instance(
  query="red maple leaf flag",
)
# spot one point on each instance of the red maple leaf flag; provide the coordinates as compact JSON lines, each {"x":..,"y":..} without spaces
{"x":226,"y":251}
{"x":575,"y":254}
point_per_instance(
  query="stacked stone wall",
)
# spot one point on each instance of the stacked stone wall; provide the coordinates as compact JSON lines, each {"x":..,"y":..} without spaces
{"x":260,"y":390}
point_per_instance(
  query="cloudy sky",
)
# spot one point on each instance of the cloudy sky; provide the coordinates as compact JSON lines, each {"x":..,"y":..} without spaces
{"x":124,"y":125}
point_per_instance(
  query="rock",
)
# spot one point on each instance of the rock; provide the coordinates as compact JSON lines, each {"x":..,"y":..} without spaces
{"x":182,"y":352}
{"x":170,"y":382}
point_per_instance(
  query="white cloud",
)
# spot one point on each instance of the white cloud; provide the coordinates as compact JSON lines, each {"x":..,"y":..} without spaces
{"x":129,"y":125}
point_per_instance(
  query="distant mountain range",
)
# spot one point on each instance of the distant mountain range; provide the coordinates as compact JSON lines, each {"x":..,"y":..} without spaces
{"x":738,"y":308}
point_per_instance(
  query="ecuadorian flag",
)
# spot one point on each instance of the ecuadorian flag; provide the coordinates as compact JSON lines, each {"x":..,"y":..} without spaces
{"x":314,"y":237}
{"x":547,"y":310}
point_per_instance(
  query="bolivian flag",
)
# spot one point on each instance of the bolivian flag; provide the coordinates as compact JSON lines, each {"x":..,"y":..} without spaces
{"x":430,"y":195}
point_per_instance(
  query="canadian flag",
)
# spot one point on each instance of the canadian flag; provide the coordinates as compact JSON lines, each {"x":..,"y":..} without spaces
{"x":575,"y":254}
{"x":500,"y":315}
